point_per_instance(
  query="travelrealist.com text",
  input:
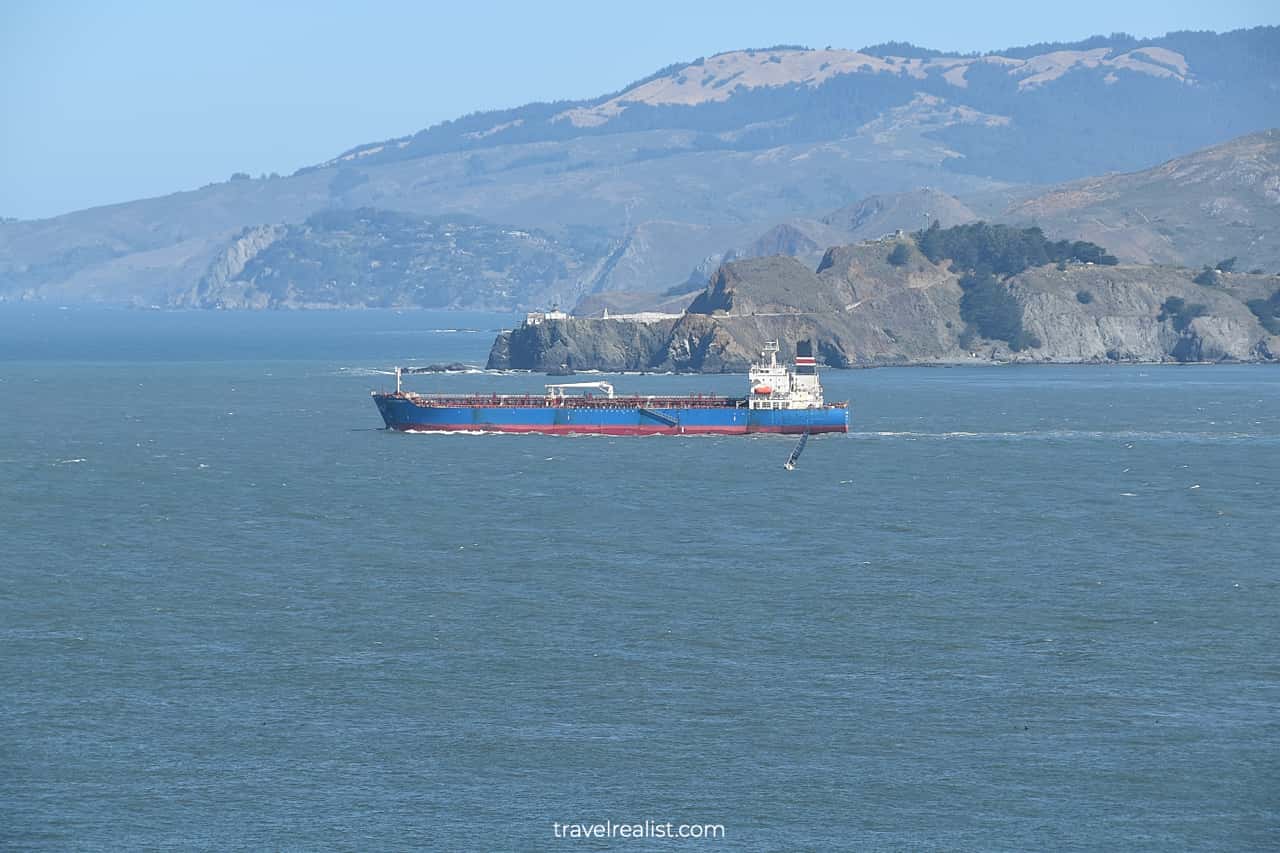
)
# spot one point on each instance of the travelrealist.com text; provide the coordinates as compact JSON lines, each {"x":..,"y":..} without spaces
{"x":645,"y":829}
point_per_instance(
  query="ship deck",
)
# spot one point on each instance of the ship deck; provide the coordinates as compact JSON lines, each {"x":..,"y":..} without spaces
{"x":585,"y":401}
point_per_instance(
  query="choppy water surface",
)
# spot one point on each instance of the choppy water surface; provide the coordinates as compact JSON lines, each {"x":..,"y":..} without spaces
{"x":1017,"y":609}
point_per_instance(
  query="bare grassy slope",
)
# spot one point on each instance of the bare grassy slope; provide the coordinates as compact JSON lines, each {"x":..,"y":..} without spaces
{"x":1212,"y":204}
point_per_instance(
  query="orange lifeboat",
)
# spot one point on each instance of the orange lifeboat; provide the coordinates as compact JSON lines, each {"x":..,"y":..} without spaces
{"x":762,"y":389}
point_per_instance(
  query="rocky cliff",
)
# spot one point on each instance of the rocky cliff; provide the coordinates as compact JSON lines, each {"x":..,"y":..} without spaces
{"x":578,"y":344}
{"x":883,"y":302}
{"x":221,"y":285}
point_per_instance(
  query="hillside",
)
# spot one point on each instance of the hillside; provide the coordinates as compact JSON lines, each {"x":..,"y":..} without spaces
{"x":886,"y":302}
{"x":806,"y":239}
{"x":372,"y":258}
{"x":1220,"y":202}
{"x":1011,"y":114}
{"x":646,"y":183}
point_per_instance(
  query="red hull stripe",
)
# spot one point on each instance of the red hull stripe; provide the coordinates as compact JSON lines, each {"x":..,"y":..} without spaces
{"x":567,"y":429}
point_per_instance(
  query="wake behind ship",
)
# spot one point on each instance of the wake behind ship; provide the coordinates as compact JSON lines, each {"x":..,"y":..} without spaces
{"x":780,"y":400}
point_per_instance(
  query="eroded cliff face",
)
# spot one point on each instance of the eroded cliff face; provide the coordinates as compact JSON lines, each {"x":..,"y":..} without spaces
{"x":1114,"y":314}
{"x":577,"y":344}
{"x":862,"y":310}
{"x":218,"y":286}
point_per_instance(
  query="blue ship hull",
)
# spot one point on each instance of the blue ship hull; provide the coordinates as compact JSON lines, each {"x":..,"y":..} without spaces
{"x":415,"y":414}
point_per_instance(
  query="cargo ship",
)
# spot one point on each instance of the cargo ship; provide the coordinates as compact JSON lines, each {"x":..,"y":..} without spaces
{"x":780,"y":400}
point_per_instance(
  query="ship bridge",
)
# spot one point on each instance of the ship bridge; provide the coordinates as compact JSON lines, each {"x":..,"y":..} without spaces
{"x":774,"y":386}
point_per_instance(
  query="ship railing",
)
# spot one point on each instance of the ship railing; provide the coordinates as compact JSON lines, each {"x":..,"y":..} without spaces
{"x":584,"y":401}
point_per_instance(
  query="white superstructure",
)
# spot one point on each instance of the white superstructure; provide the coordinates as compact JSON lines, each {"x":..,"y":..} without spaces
{"x":556,"y":392}
{"x":537,"y":318}
{"x":774,"y":386}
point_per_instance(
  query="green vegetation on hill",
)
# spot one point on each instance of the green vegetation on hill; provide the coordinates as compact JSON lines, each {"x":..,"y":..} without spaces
{"x":1268,"y":312}
{"x":902,"y":48}
{"x":985,"y":254}
{"x":1207,"y":277}
{"x":989,"y":309}
{"x":1002,"y":250}
{"x":1181,"y":312}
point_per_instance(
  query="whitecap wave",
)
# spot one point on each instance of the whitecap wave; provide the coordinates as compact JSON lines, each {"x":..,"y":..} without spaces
{"x":403,"y":332}
{"x":451,"y":432}
{"x":362,"y":371}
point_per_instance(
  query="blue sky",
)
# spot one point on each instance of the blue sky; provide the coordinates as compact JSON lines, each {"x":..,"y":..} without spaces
{"x":109,"y":102}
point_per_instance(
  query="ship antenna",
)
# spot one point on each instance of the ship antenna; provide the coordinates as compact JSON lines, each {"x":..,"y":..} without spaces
{"x":771,"y":350}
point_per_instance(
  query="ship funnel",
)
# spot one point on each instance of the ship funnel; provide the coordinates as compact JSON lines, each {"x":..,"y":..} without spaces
{"x":806,"y":365}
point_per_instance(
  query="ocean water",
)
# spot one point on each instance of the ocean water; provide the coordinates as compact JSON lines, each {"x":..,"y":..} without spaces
{"x":1016,"y":609}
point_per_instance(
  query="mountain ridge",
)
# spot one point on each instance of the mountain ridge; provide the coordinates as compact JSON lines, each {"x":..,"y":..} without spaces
{"x":716,"y":173}
{"x":1186,"y":57}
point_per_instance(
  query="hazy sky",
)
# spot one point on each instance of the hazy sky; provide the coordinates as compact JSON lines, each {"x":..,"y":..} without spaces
{"x":106,"y":102}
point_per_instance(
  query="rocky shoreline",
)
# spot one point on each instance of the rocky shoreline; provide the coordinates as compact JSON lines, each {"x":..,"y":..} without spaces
{"x":863,"y":311}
